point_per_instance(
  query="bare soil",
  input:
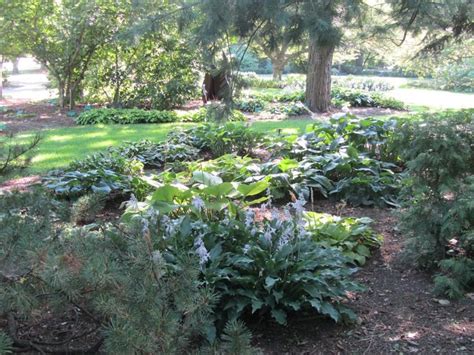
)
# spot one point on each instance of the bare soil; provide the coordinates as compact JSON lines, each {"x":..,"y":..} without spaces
{"x":42,"y":115}
{"x":33,"y":116}
{"x":397,"y":314}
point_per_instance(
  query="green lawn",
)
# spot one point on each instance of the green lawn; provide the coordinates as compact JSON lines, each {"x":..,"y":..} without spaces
{"x":61,"y":146}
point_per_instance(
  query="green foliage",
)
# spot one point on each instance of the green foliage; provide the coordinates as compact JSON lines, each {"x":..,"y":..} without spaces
{"x":77,"y":183}
{"x":290,"y":109}
{"x":139,"y":300}
{"x":208,"y":197}
{"x":154,"y":70}
{"x":269,"y":267}
{"x":340,"y":96}
{"x":224,"y":139}
{"x":6,"y":344}
{"x":213,"y":113}
{"x":69,"y":34}
{"x":125,"y":116}
{"x":439,"y":212}
{"x":291,"y":96}
{"x":16,"y":156}
{"x":365,"y":84}
{"x":349,"y":152}
{"x":358,"y":98}
{"x":254,"y":81}
{"x":236,"y":339}
{"x":250,"y":105}
{"x":343,"y":159}
{"x":353,"y":236}
{"x":452,"y":77}
{"x":86,"y":208}
{"x":229,"y":167}
{"x":457,"y":276}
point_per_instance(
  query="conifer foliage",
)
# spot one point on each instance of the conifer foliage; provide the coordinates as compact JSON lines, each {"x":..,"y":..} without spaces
{"x":439,"y":218}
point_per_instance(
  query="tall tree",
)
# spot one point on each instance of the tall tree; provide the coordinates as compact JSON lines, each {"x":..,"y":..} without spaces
{"x":321,"y":20}
{"x":281,"y":40}
{"x":64,"y":35}
{"x":440,"y":22}
{"x":325,"y":21}
{"x":10,"y":47}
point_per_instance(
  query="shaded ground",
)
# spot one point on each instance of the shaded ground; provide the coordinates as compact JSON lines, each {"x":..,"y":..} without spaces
{"x":24,"y":116}
{"x":19,"y":184}
{"x":398,"y":313}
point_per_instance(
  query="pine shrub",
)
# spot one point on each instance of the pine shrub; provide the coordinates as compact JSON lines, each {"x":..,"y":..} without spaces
{"x":439,"y":215}
{"x":138,"y":301}
{"x":86,"y":208}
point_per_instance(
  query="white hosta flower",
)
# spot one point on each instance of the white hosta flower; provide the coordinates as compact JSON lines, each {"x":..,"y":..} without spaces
{"x":145,"y":227}
{"x":198,"y":203}
{"x":249,"y":218}
{"x":132,"y":203}
{"x":298,"y":205}
{"x":201,"y":251}
{"x":285,"y":236}
{"x":268,"y":236}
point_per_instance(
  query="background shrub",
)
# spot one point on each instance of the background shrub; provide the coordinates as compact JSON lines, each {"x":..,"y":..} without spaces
{"x":125,"y":116}
{"x":439,"y":216}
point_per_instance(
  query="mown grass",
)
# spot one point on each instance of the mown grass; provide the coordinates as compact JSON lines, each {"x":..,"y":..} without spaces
{"x":61,"y":146}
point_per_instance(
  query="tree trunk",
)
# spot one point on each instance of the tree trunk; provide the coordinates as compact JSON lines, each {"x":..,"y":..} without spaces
{"x":61,"y":101}
{"x":1,"y":78}
{"x":278,"y":65}
{"x":15,"y":66}
{"x":318,"y":80}
{"x":360,"y":61}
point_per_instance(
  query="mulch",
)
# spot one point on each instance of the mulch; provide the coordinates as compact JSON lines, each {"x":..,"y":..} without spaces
{"x":397,"y":313}
{"x":19,"y":184}
{"x":39,"y":116}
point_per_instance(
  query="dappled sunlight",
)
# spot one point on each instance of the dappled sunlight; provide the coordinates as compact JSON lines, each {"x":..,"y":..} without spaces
{"x":461,"y":328}
{"x":102,"y":144}
{"x":434,"y":98}
{"x":58,"y":138}
{"x":44,"y":157}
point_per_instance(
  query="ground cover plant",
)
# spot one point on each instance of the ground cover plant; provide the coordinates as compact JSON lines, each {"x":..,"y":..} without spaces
{"x":125,"y":116}
{"x":341,"y":96}
{"x":180,"y":203}
{"x":202,"y":233}
{"x":342,"y":159}
{"x":134,"y":116}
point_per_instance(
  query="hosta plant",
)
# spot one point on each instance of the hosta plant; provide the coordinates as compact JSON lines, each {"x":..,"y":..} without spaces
{"x":267,"y":266}
{"x":353,"y":236}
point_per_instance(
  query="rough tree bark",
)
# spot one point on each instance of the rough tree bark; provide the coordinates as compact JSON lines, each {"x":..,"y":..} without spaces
{"x":318,"y":80}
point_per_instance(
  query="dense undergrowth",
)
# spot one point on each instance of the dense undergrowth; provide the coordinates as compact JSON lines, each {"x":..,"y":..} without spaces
{"x":215,"y":230}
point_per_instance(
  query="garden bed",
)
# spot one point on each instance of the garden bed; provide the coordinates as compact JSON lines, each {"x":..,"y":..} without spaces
{"x":398,"y":313}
